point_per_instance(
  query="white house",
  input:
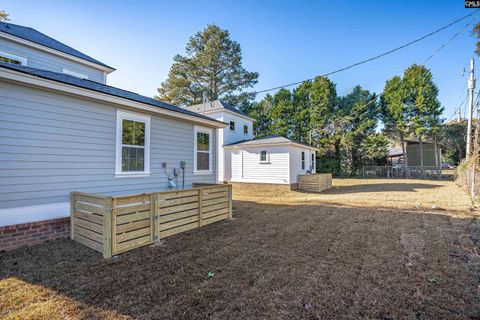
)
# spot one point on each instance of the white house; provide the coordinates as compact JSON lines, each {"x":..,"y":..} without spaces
{"x":64,"y":129}
{"x":242,"y":158}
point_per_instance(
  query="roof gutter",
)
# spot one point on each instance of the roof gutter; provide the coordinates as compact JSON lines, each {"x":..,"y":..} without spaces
{"x":241,"y":145}
{"x":34,"y":81}
{"x":64,"y":55}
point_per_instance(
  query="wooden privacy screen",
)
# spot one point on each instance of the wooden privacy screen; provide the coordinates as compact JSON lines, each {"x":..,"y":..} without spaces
{"x":117,"y":224}
{"x":315,"y":182}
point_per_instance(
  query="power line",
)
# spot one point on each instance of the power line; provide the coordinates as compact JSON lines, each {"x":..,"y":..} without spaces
{"x":433,"y":54}
{"x":380,"y":55}
{"x":451,"y":39}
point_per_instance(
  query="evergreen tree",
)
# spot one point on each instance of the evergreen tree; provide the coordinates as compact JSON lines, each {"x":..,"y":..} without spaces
{"x":359,"y":111}
{"x":421,"y":98}
{"x":394,"y":112}
{"x":212,"y":65}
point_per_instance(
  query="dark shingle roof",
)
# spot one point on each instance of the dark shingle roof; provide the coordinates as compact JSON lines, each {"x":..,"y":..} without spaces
{"x":40,"y":38}
{"x":267,"y":140}
{"x":99,"y":87}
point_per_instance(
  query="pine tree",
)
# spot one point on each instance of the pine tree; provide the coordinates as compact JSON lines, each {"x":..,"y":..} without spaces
{"x":212,"y":64}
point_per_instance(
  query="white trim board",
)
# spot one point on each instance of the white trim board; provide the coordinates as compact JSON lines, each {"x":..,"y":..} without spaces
{"x":75,"y":74}
{"x":12,"y":216}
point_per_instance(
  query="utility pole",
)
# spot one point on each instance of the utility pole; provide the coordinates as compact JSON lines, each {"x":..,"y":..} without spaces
{"x":471,"y":88}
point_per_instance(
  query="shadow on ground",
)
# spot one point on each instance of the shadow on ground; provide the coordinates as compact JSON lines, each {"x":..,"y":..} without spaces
{"x":381,"y":187}
{"x":312,"y":261}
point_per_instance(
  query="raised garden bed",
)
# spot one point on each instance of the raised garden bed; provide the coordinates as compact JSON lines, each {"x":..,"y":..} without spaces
{"x":116,"y":224}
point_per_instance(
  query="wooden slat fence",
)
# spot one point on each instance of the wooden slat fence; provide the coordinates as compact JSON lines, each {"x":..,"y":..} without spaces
{"x":88,"y":212}
{"x":113,"y":225}
{"x":315,"y":182}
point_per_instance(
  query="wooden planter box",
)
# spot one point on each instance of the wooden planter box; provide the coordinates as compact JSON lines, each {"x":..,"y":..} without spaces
{"x":315,"y":182}
{"x":116,"y":224}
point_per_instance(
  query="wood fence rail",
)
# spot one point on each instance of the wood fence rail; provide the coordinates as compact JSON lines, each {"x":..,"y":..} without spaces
{"x":116,"y":224}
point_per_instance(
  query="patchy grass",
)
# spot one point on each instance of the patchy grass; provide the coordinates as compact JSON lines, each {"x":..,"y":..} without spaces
{"x":358,"y":251}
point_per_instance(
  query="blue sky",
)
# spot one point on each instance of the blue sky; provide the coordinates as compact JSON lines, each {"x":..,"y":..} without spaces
{"x":283,"y":41}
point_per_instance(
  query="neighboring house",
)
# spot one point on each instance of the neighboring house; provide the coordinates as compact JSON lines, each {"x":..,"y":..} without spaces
{"x":63,"y":129}
{"x":431,"y":157}
{"x":273,"y":159}
{"x":412,"y":148}
{"x":239,"y":128}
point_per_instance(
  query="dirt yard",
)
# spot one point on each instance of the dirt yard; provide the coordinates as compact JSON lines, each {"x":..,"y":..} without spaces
{"x":367,"y":249}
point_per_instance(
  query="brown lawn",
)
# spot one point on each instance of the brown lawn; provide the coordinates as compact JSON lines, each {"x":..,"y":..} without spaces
{"x":375,"y":249}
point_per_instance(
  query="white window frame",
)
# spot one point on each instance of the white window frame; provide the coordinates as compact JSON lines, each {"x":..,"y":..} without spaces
{"x":302,"y":157}
{"x":23,"y":60}
{"x":267,"y":157}
{"x":313,"y":162}
{"x":75,"y":74}
{"x":245,"y":126}
{"x":124,"y":115}
{"x":209,"y":131}
{"x":230,"y":125}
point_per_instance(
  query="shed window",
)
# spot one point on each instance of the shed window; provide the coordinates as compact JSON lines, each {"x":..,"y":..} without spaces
{"x":313,"y":162}
{"x":203,"y":150}
{"x":232,"y":125}
{"x":303,"y":160}
{"x":263,"y":156}
{"x":133,"y":143}
{"x":245,"y":129}
{"x":11,"y":58}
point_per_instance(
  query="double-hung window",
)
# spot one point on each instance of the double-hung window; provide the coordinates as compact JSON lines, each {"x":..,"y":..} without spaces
{"x":13,"y":59}
{"x":232,"y":125}
{"x":263,"y":156}
{"x":203,"y":150}
{"x":313,"y":163}
{"x":303,"y":160}
{"x":133,"y":144}
{"x":245,"y":129}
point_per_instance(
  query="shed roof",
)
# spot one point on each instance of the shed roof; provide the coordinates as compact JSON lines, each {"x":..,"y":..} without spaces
{"x":35,"y":36}
{"x":268,"y":140}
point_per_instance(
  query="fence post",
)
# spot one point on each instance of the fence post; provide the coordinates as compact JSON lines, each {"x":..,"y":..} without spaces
{"x":107,"y":228}
{"x":472,"y":192}
{"x":200,"y":208}
{"x":72,"y":214}
{"x":230,"y":210}
{"x":155,"y":219}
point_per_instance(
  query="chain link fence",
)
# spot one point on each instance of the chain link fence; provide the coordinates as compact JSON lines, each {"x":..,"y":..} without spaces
{"x":409,"y":172}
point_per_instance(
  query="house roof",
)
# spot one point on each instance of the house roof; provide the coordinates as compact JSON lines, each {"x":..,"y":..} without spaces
{"x":268,"y":140}
{"x":35,"y":36}
{"x":395,"y":152}
{"x":216,"y":105}
{"x":102,"y":88}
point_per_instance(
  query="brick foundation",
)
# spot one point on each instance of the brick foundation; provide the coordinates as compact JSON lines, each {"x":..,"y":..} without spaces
{"x":32,"y":233}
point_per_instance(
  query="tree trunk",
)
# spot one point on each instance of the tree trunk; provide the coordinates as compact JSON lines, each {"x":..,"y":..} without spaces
{"x":421,"y":155}
{"x":439,"y":172}
{"x":405,"y":157}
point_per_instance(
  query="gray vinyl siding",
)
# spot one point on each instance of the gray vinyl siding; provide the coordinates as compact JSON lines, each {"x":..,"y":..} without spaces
{"x":52,"y":144}
{"x":47,"y":61}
